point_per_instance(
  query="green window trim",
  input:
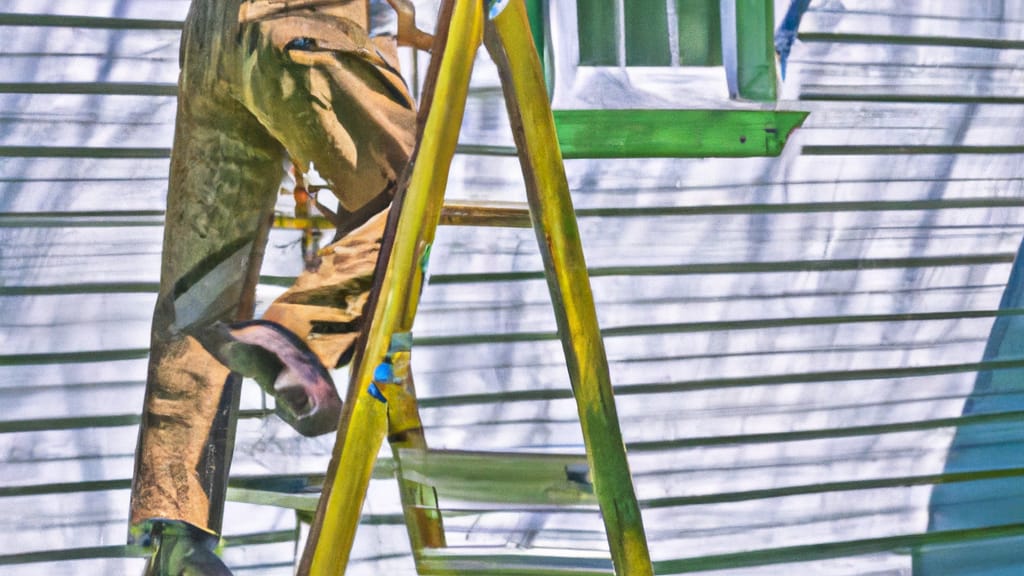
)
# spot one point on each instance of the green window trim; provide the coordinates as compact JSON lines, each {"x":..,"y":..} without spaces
{"x":755,"y":51}
{"x":674,"y":133}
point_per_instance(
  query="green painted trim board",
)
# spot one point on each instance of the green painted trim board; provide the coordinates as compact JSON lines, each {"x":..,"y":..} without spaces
{"x":674,"y":133}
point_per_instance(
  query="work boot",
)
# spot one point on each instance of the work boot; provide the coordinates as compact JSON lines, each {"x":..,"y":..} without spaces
{"x":181,"y":549}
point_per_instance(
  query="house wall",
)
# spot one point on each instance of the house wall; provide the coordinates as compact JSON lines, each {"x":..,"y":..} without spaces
{"x":792,"y":339}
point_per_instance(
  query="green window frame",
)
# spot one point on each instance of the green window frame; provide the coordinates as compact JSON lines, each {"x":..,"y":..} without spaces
{"x":737,"y":34}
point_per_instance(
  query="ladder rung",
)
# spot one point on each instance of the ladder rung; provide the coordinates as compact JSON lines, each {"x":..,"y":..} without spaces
{"x":461,"y":213}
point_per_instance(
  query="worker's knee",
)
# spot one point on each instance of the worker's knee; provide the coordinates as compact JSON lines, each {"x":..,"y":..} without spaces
{"x":333,"y":97}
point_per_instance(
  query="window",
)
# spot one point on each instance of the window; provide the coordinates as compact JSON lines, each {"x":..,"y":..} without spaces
{"x":681,"y":53}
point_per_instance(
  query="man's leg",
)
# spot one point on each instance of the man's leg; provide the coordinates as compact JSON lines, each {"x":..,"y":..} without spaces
{"x":325,"y":306}
{"x":224,"y":176}
{"x":225,"y":171}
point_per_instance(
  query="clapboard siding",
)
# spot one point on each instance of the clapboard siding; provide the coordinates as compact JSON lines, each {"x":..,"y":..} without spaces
{"x":110,"y":9}
{"x":792,"y":340}
{"x":951,"y":9}
{"x":66,"y":54}
{"x":78,"y":120}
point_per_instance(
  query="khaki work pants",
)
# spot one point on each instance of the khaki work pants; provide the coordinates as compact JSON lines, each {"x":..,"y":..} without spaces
{"x":306,"y":84}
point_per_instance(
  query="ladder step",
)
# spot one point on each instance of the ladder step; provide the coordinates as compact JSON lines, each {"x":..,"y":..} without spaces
{"x":495,"y":561}
{"x":508,"y":478}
